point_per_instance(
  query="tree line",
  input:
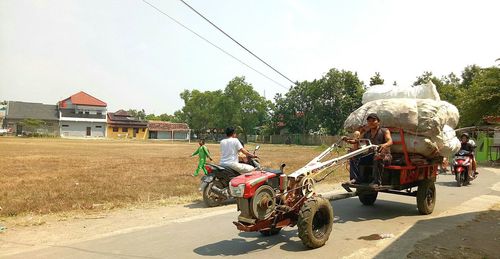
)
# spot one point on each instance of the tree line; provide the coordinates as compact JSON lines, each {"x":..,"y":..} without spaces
{"x":322,"y":105}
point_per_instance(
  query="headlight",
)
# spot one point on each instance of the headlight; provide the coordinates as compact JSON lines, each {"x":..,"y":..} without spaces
{"x":237,"y":191}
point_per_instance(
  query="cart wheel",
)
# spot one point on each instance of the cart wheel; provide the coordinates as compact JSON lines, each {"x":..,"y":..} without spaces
{"x":426,"y":197}
{"x":315,"y":222}
{"x":367,"y":198}
{"x":270,"y":232}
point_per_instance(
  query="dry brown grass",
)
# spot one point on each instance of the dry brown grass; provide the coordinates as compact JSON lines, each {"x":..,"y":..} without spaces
{"x":42,"y":176}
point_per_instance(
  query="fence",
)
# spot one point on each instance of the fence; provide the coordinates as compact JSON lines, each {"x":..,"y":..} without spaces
{"x":297,"y":139}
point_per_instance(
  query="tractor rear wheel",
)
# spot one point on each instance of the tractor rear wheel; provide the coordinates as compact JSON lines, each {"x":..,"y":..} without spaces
{"x":315,"y":222}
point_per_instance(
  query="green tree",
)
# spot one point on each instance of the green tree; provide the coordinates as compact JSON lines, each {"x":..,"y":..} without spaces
{"x":376,"y":79}
{"x":481,"y":98}
{"x":238,"y":105}
{"x":320,"y":104}
{"x":139,"y":114}
{"x":342,"y":93}
{"x":200,"y":109}
{"x":242,"y":106}
{"x":468,"y":75}
{"x":32,"y":125}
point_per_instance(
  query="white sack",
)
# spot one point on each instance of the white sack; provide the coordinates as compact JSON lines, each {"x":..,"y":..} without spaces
{"x":448,"y":143}
{"x":378,"y":92}
{"x":419,"y":116}
{"x":416,"y":145}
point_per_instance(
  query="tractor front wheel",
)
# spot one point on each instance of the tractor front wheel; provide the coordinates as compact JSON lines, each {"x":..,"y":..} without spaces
{"x":315,"y":222}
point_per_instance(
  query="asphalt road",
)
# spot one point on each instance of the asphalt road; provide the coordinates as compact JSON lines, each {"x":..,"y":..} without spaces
{"x":216,"y":236}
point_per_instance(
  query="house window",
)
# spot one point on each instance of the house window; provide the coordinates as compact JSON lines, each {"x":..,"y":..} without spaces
{"x":99,"y":113}
{"x":115,"y":129}
{"x":124,"y":129}
{"x":143,"y":130}
{"x":64,"y":125}
{"x":98,"y":127}
{"x":87,"y":112}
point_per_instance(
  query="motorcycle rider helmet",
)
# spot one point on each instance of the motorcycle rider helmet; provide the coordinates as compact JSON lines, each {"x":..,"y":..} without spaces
{"x":465,"y":135}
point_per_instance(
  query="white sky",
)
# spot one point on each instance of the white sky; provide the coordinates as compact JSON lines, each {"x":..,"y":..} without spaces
{"x":130,"y":56}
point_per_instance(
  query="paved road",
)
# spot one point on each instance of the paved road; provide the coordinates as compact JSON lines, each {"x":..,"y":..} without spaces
{"x":216,"y":236}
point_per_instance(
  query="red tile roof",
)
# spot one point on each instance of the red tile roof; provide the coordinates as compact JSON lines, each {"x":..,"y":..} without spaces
{"x":167,"y":126}
{"x":82,"y":98}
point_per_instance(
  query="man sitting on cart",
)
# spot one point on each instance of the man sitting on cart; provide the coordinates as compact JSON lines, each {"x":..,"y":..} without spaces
{"x":378,"y":136}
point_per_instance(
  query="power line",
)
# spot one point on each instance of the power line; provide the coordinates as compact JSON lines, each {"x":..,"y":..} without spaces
{"x":213,"y":44}
{"x":236,"y":41}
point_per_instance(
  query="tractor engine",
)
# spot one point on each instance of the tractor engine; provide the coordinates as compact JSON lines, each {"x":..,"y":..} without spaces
{"x":255,"y":194}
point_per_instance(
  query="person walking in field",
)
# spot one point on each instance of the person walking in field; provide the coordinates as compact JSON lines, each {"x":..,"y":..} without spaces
{"x":202,"y":153}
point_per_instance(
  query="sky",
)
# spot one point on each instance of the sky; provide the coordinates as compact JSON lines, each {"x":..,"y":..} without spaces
{"x":130,"y":56}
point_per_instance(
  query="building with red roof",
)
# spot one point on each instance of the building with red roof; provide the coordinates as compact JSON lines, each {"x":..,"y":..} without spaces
{"x":82,"y":115}
{"x":168,"y":130}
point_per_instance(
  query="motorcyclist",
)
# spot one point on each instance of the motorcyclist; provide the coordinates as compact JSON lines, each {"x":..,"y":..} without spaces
{"x":467,"y":145}
{"x":230,"y":147}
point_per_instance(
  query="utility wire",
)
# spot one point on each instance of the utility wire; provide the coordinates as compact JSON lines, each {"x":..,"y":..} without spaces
{"x":206,"y":19}
{"x":209,"y":42}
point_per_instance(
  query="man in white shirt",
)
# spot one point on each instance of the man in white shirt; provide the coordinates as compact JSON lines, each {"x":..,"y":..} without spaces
{"x":229,"y":148}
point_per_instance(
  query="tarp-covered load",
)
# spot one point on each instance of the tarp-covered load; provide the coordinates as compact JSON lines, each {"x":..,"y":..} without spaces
{"x":427,"y":121}
{"x":419,"y":116}
{"x":378,"y":92}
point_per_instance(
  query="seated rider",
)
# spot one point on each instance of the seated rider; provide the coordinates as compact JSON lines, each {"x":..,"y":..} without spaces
{"x":466,"y":145}
{"x":230,"y":147}
{"x":378,"y":136}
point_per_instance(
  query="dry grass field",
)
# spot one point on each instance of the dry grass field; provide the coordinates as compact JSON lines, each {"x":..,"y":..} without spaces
{"x":40,"y":176}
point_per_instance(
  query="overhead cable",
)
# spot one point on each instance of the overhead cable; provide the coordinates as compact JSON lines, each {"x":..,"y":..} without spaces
{"x":214,"y":45}
{"x":217,"y":27}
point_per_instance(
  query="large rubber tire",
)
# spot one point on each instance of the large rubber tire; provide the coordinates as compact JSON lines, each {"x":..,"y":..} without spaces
{"x":270,"y":232}
{"x":210,"y":198}
{"x":426,"y":197}
{"x":367,"y":198}
{"x":315,"y":222}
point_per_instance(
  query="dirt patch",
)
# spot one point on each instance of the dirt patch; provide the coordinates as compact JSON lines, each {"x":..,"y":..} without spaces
{"x":479,"y":238}
{"x":46,"y":176}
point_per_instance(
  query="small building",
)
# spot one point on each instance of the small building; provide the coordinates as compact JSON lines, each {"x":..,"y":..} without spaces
{"x":123,"y":125}
{"x":3,"y":109}
{"x":82,"y":115}
{"x":24,"y":118}
{"x":168,"y":130}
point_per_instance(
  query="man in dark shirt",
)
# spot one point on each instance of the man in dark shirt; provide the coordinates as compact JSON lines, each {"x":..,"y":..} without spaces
{"x":378,"y":136}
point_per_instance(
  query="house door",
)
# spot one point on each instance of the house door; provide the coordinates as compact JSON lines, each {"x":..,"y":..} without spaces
{"x":135,"y":132}
{"x":89,"y":131}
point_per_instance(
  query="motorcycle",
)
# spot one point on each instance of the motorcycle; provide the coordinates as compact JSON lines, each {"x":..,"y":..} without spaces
{"x":215,"y":185}
{"x":461,"y":164}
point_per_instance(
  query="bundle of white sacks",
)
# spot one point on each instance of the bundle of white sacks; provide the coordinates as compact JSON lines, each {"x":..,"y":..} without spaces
{"x":427,"y":121}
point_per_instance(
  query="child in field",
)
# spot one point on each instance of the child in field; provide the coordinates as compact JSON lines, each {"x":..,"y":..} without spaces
{"x":202,"y":153}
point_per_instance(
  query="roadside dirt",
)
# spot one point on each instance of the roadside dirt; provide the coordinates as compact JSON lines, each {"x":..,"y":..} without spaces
{"x":37,"y":231}
{"x":479,"y":238}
